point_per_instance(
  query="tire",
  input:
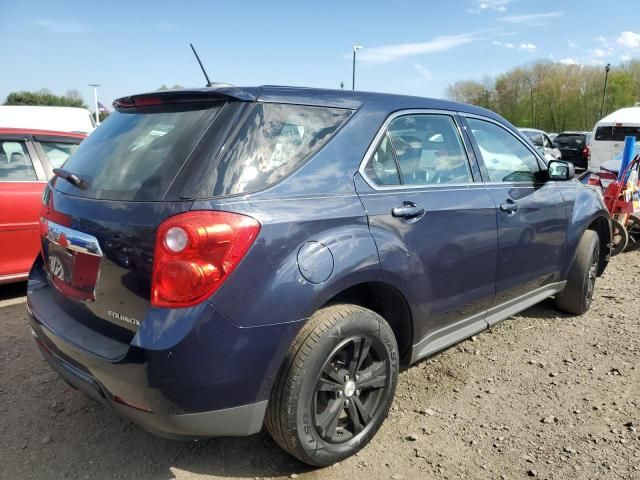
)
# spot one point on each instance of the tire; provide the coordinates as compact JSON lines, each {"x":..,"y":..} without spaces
{"x":316,"y":412}
{"x":578,"y":292}
{"x":633,"y":230}
{"x":619,"y":237}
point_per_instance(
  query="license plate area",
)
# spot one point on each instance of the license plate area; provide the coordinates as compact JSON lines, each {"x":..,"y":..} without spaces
{"x":73,"y":261}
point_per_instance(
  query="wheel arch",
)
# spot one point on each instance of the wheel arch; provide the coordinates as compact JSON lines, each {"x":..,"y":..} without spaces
{"x":388,"y":302}
{"x":602,"y":226}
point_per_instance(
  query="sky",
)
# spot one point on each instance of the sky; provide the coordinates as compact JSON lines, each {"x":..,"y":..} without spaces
{"x":409,"y":46}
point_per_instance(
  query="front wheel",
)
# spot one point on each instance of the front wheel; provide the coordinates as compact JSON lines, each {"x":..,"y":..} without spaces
{"x":578,"y":292}
{"x":633,"y":230}
{"x":336,"y":385}
{"x":619,"y":237}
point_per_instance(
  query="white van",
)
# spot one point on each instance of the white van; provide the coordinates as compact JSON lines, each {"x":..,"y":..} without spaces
{"x":607,"y":139}
{"x":60,"y":119}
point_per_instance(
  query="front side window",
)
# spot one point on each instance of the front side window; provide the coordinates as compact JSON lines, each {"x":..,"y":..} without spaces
{"x":58,"y":152}
{"x":535,"y":137}
{"x":15,"y":163}
{"x":428,"y":150}
{"x":273,"y":141}
{"x":505,"y":157}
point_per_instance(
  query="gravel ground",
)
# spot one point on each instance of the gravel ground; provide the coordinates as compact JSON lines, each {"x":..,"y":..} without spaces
{"x":541,"y":395}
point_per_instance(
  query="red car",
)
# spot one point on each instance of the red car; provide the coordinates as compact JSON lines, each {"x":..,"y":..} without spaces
{"x":27,"y":160}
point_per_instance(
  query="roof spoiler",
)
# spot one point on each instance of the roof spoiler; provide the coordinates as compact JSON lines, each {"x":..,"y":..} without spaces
{"x":217,"y":91}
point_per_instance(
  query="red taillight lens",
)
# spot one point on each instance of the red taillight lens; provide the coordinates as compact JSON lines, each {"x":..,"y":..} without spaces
{"x":195,"y":253}
{"x":585,"y":152}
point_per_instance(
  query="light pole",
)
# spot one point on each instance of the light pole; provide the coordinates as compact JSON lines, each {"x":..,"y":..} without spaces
{"x":353,"y":81}
{"x":604,"y":91}
{"x":95,"y":100}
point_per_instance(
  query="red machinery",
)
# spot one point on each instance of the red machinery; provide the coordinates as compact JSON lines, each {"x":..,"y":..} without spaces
{"x":622,"y":199}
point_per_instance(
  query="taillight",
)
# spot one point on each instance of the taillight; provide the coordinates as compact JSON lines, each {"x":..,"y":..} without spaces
{"x":195,"y":252}
{"x":585,"y":152}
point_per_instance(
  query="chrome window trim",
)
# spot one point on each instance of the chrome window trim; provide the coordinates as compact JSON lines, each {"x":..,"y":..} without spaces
{"x":36,"y":161}
{"x":535,"y":153}
{"x":383,"y":130}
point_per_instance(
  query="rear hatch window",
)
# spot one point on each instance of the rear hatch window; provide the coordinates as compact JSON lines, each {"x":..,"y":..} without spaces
{"x":274,"y":140}
{"x":570,"y":141}
{"x":137,"y":154}
{"x":617,"y":134}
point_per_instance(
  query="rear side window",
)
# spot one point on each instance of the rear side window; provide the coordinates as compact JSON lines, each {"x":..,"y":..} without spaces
{"x":136,"y":155}
{"x":616,"y":134}
{"x":58,"y":152}
{"x":426,"y":148}
{"x":15,"y":163}
{"x":382,"y":169}
{"x":272,"y":142}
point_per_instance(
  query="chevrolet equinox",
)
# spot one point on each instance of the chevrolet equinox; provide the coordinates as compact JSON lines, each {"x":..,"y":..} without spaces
{"x":214,"y":260}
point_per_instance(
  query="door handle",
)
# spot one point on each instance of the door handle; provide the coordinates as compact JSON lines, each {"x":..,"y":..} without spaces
{"x":509,"y":207}
{"x":408,"y":211}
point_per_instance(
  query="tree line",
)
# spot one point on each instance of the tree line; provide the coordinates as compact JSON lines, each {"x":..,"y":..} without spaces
{"x":553,"y":96}
{"x":45,"y":97}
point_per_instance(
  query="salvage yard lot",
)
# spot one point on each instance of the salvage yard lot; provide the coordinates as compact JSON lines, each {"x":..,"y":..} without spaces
{"x":541,"y":395}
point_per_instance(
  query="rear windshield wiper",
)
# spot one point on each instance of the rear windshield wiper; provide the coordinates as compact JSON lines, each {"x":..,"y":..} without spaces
{"x":72,"y":178}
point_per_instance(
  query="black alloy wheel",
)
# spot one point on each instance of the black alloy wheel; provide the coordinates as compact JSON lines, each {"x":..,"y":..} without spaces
{"x":350,"y":389}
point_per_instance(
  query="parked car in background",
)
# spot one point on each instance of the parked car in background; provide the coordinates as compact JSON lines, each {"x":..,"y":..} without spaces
{"x":27,"y":160}
{"x":59,"y":119}
{"x":574,"y":148}
{"x":215,"y":259}
{"x":609,"y":134}
{"x":542,"y":142}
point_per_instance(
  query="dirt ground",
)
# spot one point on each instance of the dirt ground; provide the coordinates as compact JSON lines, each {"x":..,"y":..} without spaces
{"x":541,"y":395}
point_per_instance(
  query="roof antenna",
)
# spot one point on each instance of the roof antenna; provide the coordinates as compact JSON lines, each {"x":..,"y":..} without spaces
{"x":201,"y":66}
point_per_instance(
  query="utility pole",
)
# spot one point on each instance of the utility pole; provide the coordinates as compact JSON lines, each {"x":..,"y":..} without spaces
{"x":353,"y":71}
{"x":604,"y":91}
{"x":95,"y":101}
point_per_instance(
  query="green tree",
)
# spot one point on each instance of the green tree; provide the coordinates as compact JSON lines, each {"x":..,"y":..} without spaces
{"x":553,"y":96}
{"x":43,"y":97}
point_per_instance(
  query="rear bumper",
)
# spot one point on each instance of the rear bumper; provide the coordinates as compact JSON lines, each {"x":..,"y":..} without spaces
{"x":236,"y":421}
{"x":186,"y":377}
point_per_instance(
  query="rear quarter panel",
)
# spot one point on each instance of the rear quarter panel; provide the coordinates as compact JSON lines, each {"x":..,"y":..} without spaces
{"x":268,"y":286}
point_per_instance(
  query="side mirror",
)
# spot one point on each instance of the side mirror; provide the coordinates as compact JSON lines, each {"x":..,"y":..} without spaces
{"x":559,"y":170}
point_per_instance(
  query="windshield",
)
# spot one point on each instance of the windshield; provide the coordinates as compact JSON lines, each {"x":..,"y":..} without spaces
{"x":136,"y":155}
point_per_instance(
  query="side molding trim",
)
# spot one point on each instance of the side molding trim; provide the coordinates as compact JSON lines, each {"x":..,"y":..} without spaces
{"x":467,"y":327}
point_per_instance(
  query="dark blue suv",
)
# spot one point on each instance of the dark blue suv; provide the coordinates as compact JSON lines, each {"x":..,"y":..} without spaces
{"x":218,"y":259}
